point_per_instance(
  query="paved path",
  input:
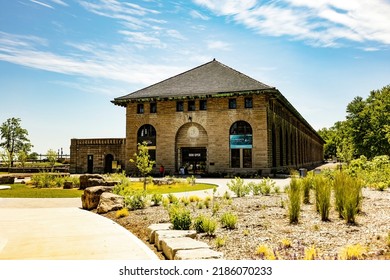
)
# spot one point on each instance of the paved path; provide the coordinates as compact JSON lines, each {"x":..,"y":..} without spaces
{"x":51,"y":228}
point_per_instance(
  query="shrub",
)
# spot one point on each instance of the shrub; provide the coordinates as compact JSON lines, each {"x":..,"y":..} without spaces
{"x":229,"y":220}
{"x":352,"y":200}
{"x":122,"y":213}
{"x":255,"y":188}
{"x":137,"y":200}
{"x":156,"y":199}
{"x":286,"y":243}
{"x":266,"y":185}
{"x":352,"y":252}
{"x":172,"y":198}
{"x":294,"y":200}
{"x":226,"y":195}
{"x":310,"y":253}
{"x":220,"y":241}
{"x":194,"y":198}
{"x":238,"y":187}
{"x":180,"y":217}
{"x":339,"y":182}
{"x":323,"y":191}
{"x":388,"y":240}
{"x":265,"y":252}
{"x":307,"y":185}
{"x":185,"y":200}
{"x":205,"y":224}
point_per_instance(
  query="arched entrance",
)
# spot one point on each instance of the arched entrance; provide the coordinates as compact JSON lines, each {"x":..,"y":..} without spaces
{"x":108,"y":159}
{"x":191,"y":149}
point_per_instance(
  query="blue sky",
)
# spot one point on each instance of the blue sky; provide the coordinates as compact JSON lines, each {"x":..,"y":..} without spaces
{"x":63,"y":61}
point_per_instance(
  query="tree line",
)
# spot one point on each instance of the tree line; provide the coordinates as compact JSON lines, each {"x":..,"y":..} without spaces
{"x":364,"y":132}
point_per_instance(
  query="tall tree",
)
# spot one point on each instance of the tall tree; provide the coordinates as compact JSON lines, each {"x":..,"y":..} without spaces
{"x":14,"y":138}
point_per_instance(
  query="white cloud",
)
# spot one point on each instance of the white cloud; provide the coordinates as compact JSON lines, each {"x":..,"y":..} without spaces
{"x":100,"y":61}
{"x":320,"y":22}
{"x":59,"y":2}
{"x":198,"y":15}
{"x":218,"y":45}
{"x":42,"y":4}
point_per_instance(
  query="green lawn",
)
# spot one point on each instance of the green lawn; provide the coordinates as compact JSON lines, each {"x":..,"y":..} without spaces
{"x":175,"y":188}
{"x":28,"y":191}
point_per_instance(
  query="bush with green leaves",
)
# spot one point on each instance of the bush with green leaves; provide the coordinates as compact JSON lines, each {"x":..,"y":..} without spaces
{"x":238,"y":187}
{"x":205,"y":224}
{"x":255,"y":188}
{"x":266,"y":186}
{"x":323,"y":190}
{"x":47,"y":180}
{"x":307,"y":185}
{"x":156,"y":199}
{"x":180,"y":217}
{"x":294,"y":200}
{"x":229,"y":220}
{"x":137,"y":200}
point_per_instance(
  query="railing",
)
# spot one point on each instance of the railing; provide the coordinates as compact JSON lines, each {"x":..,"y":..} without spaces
{"x":101,"y":141}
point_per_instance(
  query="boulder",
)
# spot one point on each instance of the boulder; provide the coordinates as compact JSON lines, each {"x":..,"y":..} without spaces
{"x":110,"y":202}
{"x":88,"y":180}
{"x":7,"y":179}
{"x":91,"y":197}
{"x":68,"y":185}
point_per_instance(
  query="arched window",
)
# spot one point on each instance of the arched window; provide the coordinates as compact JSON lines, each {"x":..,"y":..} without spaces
{"x":241,"y":145}
{"x":147,"y":133}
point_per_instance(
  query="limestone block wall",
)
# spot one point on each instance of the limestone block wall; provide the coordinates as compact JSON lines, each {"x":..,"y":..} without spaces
{"x":96,"y":155}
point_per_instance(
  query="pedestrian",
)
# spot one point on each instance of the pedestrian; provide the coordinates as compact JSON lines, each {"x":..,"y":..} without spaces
{"x":162,"y":171}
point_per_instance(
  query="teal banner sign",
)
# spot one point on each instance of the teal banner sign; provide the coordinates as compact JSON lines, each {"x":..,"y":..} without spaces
{"x":242,"y":141}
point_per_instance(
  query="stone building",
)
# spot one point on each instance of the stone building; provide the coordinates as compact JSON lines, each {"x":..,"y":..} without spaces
{"x":210,"y":119}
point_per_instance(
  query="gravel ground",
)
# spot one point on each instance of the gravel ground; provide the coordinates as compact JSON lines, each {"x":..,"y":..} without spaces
{"x":264,"y":220}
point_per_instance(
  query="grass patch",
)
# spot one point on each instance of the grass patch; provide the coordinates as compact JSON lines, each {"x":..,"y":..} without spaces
{"x":26,"y":191}
{"x":164,"y":189}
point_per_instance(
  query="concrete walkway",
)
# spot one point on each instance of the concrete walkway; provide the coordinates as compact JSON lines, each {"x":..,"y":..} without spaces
{"x":52,"y":228}
{"x":57,"y":229}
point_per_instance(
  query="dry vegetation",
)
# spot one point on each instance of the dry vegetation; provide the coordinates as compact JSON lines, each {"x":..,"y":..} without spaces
{"x":263,"y":229}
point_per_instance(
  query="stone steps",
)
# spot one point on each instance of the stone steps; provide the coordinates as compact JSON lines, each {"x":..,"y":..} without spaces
{"x":180,"y":244}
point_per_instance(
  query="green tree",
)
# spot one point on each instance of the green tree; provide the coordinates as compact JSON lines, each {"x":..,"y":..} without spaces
{"x":14,"y":138}
{"x":51,"y":156}
{"x":142,"y":161}
{"x":22,"y":158}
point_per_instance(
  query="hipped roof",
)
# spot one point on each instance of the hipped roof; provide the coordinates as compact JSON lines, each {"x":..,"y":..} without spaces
{"x":209,"y":79}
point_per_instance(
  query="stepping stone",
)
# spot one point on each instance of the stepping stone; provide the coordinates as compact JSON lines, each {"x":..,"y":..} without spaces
{"x":198,"y":254}
{"x":163,"y":234}
{"x":171,"y":245}
{"x":5,"y":187}
{"x":154,"y":227}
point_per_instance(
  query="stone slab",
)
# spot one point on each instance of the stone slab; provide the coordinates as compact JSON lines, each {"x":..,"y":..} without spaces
{"x":160,"y":235}
{"x":151,"y":230}
{"x":5,"y":187}
{"x":171,"y":245}
{"x":198,"y":254}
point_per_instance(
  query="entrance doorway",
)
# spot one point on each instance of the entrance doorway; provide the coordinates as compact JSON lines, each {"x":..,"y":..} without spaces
{"x":90,"y":164}
{"x":108,"y":163}
{"x":193,"y":160}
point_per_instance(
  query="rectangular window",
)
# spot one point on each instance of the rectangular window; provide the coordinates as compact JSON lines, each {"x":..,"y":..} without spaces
{"x":202,"y":104}
{"x":179,"y":106}
{"x":247,"y":158}
{"x":248,"y":102}
{"x":153,"y":108}
{"x":191,"y":105}
{"x":140,"y":108}
{"x":235,"y":158}
{"x":232,"y":103}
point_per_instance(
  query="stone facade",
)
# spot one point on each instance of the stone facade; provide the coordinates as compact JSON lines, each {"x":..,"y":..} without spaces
{"x":211,"y":119}
{"x":97,"y":155}
{"x":279,"y":139}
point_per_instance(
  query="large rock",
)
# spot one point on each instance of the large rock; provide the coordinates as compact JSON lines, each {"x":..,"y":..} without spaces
{"x":91,"y":197}
{"x":198,"y":254}
{"x":7,"y":179}
{"x":92,"y":180}
{"x":110,"y":202}
{"x":171,"y":245}
{"x":85,"y":180}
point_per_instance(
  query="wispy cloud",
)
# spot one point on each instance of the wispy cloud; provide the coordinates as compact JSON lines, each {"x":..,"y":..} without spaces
{"x":218,"y":45}
{"x":42,"y":4}
{"x":112,"y":62}
{"x":320,"y":23}
{"x":197,"y":15}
